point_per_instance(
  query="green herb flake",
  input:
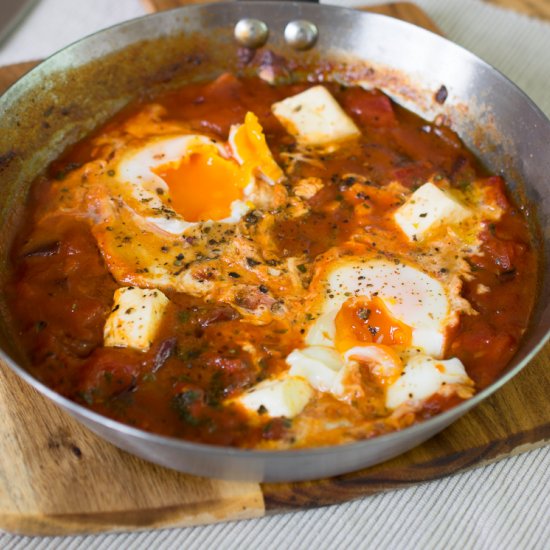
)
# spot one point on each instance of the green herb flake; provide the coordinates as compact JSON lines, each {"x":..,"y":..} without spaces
{"x":182,"y":402}
{"x":183,"y":316}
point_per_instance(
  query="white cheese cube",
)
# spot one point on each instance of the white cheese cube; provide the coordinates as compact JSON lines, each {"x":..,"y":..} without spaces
{"x":135,"y":318}
{"x":317,"y":364}
{"x":286,"y":396}
{"x":424,"y":376}
{"x":314,"y":117}
{"x":427,"y":209}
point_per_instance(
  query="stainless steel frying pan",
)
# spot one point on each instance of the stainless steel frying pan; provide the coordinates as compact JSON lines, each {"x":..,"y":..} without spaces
{"x":65,"y":97}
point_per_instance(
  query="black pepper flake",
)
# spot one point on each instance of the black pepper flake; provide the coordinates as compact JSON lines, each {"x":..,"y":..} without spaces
{"x":363,"y":313}
{"x":507,"y":275}
{"x":423,"y":215}
{"x":441,"y":95}
{"x":180,"y":257}
{"x":301,"y":268}
{"x":234,"y":275}
{"x":251,"y":218}
{"x":252,"y":262}
{"x":263,"y":289}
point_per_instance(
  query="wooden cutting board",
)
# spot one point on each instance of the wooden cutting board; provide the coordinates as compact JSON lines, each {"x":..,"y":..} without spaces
{"x":58,"y":478}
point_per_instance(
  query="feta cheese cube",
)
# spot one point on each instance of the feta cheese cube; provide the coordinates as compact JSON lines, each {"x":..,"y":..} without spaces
{"x":135,"y":318}
{"x":314,"y":117}
{"x":286,"y":396}
{"x":427,"y":209}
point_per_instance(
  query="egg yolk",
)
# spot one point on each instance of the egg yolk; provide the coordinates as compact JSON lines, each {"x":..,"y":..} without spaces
{"x":252,"y":151}
{"x":203,"y":185}
{"x":361,"y":322}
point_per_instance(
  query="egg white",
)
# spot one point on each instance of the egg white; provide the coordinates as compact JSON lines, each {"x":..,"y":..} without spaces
{"x":411,"y":296}
{"x":410,"y":373}
{"x":150,"y":192}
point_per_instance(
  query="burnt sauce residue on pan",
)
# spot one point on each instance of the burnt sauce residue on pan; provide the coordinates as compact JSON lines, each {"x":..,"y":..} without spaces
{"x":210,"y":267}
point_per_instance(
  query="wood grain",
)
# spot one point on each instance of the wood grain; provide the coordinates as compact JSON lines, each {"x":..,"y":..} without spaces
{"x":58,"y":478}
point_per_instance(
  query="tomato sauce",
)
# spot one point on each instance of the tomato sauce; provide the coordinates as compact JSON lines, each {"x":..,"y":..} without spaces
{"x":182,"y":386}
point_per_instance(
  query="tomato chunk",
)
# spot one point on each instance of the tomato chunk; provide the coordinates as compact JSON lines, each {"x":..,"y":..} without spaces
{"x":369,"y":108}
{"x":503,"y":254}
{"x":109,"y":372}
{"x":485,"y":350}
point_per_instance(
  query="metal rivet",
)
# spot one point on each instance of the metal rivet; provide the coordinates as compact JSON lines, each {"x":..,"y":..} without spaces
{"x":251,"y":33}
{"x":301,"y":35}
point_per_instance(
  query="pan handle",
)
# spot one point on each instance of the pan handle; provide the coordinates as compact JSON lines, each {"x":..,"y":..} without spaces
{"x":300,"y":34}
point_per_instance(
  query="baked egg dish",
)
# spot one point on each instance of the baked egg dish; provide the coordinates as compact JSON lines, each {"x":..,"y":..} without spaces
{"x":271,"y":267}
